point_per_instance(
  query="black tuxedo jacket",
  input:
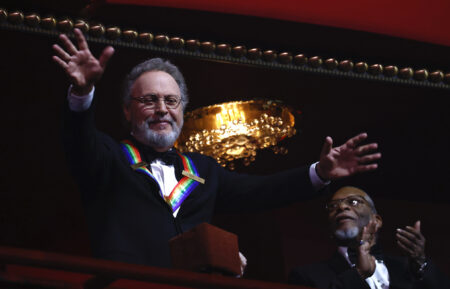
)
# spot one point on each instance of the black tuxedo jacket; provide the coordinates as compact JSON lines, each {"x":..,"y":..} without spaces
{"x":337,"y":273}
{"x":127,"y":218}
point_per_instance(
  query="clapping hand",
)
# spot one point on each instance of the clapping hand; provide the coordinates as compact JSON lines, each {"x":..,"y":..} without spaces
{"x":412,"y":243}
{"x":365,"y":262}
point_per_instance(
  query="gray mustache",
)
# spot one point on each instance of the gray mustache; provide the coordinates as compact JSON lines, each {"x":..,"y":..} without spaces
{"x":152,"y":120}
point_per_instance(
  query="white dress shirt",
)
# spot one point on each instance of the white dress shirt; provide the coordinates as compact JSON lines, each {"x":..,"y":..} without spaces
{"x":379,"y":279}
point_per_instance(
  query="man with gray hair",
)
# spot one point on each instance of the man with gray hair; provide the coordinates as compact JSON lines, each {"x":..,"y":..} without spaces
{"x":140,"y":131}
{"x":359,"y":262}
{"x":141,"y":192}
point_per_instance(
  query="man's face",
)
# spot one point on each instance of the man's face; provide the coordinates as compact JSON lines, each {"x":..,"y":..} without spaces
{"x":348,"y":213}
{"x":159,"y":126}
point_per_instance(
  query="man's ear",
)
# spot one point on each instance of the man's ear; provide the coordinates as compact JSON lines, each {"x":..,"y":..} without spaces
{"x":126,"y":112}
{"x":378,"y":220}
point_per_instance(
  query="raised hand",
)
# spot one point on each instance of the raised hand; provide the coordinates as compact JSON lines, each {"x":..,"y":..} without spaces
{"x":347,"y":159}
{"x":365,"y":262}
{"x":82,"y":68}
{"x":412,"y":243}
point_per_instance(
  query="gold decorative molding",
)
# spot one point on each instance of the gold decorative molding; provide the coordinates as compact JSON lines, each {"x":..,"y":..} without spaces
{"x":239,"y":54}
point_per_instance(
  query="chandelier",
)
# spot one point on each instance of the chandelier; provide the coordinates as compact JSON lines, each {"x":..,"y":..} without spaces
{"x":236,"y":130}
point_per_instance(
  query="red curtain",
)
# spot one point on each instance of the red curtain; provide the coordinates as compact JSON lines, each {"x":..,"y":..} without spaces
{"x":427,"y":21}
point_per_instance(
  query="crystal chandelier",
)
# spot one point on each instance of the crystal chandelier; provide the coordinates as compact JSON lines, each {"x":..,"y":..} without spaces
{"x":236,"y":130}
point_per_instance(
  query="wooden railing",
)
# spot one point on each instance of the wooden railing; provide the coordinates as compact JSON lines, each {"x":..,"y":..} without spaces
{"x":21,"y":268}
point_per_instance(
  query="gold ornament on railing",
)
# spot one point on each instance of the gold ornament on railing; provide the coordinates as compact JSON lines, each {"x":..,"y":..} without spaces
{"x":236,"y":130}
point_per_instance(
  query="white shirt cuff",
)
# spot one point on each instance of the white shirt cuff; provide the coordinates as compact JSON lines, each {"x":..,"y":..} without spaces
{"x":79,"y":103}
{"x":316,"y":181}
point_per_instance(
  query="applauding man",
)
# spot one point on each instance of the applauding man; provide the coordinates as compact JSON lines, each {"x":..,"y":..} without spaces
{"x":359,"y":262}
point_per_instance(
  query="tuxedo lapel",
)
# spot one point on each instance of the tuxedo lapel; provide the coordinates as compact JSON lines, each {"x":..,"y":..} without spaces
{"x":149,"y":189}
{"x":140,"y":157}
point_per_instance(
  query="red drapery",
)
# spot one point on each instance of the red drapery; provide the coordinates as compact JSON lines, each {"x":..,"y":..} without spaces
{"x":421,"y":20}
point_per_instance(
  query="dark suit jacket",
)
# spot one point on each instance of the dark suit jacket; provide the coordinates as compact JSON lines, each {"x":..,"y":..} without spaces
{"x":337,"y":273}
{"x":127,"y":218}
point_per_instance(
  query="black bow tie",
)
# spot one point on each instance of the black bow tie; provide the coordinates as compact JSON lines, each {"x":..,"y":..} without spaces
{"x":149,"y":155}
{"x":374,"y":251}
{"x":169,"y":157}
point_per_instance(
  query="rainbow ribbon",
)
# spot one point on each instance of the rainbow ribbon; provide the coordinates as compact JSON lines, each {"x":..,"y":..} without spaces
{"x":184,"y":187}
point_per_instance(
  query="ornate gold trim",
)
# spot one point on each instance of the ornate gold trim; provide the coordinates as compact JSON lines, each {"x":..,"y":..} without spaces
{"x":223,"y":52}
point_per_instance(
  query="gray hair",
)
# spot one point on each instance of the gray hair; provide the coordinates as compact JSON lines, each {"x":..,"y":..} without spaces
{"x":155,"y":64}
{"x":371,"y":203}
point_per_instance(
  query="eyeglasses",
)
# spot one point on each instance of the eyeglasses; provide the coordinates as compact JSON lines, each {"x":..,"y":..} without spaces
{"x":351,"y":201}
{"x":171,"y":101}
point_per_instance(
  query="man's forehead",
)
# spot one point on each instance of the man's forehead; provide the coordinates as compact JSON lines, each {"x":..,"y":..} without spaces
{"x":156,"y":79}
{"x":345,"y":192}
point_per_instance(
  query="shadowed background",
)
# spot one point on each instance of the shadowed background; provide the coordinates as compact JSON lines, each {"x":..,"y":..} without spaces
{"x":39,"y":202}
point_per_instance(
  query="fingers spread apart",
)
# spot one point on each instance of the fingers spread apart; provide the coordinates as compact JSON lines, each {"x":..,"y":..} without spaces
{"x":70,"y":47}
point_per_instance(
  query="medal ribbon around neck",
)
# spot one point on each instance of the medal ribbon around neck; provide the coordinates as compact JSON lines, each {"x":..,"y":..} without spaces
{"x":184,"y":187}
{"x":135,"y":160}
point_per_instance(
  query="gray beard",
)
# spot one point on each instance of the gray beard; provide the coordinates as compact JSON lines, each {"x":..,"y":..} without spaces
{"x":151,"y":138}
{"x":347,"y":235}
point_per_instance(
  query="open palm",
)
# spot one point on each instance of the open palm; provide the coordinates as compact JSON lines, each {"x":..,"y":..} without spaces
{"x":82,"y":68}
{"x":347,"y":159}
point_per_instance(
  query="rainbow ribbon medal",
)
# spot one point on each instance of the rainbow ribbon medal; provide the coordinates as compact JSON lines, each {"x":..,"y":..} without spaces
{"x":184,"y":187}
{"x":134,"y":158}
